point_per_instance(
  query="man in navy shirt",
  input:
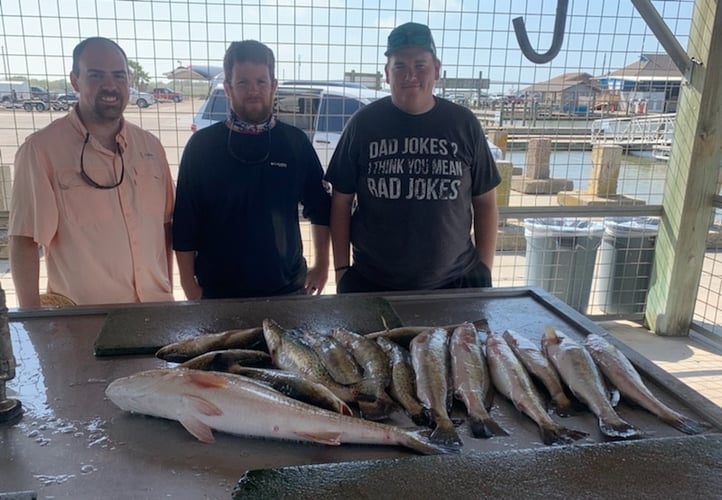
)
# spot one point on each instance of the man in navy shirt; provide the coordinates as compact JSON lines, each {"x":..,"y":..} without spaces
{"x":235,"y":225}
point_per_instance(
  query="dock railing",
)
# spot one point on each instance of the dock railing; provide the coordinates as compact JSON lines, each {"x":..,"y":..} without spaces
{"x":635,"y":132}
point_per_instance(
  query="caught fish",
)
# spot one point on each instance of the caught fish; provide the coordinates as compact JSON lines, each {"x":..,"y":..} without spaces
{"x":181,"y":351}
{"x":339,"y":362}
{"x":202,"y":401}
{"x":289,"y":352}
{"x":578,"y":370}
{"x":625,"y":377}
{"x":511,"y":379}
{"x":403,"y":335}
{"x":219,"y":361}
{"x":538,"y":365}
{"x":373,"y":401}
{"x":430,"y":358}
{"x":403,"y":384}
{"x":296,"y":387}
{"x":471,"y":380}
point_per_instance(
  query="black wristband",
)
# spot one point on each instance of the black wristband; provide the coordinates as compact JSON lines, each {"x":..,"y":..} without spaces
{"x":342,"y":268}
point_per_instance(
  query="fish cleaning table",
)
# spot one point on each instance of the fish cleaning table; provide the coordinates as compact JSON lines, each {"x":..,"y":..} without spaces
{"x":74,"y":443}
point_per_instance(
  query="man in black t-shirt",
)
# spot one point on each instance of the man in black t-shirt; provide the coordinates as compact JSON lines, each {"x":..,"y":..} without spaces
{"x":240,"y":181}
{"x":422,"y":175}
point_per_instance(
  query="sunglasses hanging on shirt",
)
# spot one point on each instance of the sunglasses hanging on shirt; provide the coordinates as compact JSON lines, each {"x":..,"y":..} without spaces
{"x":88,"y":179}
{"x":249,"y":161}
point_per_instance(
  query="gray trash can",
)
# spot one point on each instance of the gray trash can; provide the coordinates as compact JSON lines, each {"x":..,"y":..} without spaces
{"x":560,"y":257}
{"x":625,"y":264}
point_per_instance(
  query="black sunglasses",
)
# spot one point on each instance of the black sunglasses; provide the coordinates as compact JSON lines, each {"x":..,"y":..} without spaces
{"x":88,"y":179}
{"x":245,"y":161}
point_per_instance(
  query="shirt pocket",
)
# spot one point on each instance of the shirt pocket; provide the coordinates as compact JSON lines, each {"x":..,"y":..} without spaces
{"x":83,"y":204}
{"x":150,"y":186}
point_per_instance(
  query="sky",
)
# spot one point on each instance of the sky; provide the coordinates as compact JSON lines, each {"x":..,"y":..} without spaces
{"x":322,"y":39}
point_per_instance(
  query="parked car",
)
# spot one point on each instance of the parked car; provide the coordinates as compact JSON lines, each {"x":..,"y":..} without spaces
{"x":41,"y":93}
{"x":141,"y":99}
{"x":321,"y":111}
{"x":13,"y":91}
{"x":69,"y":97}
{"x":164,"y":94}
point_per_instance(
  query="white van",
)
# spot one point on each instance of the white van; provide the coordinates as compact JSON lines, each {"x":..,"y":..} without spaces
{"x":14,"y":91}
{"x":320,"y":109}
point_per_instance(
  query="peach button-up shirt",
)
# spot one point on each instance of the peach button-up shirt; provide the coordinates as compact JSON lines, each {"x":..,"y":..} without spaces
{"x":101,"y":246}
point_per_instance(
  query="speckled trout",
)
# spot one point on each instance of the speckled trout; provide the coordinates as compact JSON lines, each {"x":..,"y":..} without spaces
{"x":578,"y":370}
{"x":430,"y":357}
{"x":539,"y":366}
{"x":620,"y":371}
{"x":511,"y":379}
{"x":178,"y":352}
{"x":202,"y":401}
{"x":471,"y":380}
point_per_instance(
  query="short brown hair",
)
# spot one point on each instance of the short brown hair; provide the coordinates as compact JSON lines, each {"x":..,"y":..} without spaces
{"x":78,"y":50}
{"x":248,"y":51}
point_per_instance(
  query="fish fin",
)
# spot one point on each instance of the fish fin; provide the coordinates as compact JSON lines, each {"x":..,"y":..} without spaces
{"x":445,"y":434}
{"x":619,"y":430}
{"x":198,"y":429}
{"x":379,"y":409}
{"x":485,"y":427}
{"x":421,"y":418}
{"x":556,"y":434}
{"x":344,"y":409}
{"x":686,"y":424}
{"x":416,"y":441}
{"x":565,"y":407}
{"x":201,"y":405}
{"x":206,"y":379}
{"x":330,"y":438}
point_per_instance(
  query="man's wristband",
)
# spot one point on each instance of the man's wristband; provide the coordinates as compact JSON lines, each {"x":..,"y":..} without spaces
{"x":342,"y":268}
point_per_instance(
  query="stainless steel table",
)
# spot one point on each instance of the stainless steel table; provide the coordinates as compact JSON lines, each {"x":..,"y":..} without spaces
{"x":74,"y":443}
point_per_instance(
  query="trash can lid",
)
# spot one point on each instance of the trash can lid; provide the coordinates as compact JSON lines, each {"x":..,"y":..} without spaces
{"x":631,"y":226}
{"x":562,"y":226}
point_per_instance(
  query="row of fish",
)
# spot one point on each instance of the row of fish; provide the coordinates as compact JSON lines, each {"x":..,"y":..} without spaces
{"x":317,"y":376}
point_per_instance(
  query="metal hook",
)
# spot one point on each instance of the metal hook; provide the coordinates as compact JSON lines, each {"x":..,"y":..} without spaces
{"x":557,"y":39}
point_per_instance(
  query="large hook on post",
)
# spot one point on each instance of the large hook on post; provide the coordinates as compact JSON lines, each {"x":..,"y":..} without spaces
{"x":557,"y":39}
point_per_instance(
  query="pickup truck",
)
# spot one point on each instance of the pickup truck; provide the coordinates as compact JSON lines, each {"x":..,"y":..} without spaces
{"x":162,"y":94}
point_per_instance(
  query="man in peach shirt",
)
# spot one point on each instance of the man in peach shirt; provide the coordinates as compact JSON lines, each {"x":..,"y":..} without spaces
{"x":95,"y":192}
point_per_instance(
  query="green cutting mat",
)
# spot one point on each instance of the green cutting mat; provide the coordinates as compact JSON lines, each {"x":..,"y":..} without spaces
{"x":145,"y":329}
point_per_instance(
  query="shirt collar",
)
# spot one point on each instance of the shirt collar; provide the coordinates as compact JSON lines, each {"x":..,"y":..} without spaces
{"x":76,"y":122}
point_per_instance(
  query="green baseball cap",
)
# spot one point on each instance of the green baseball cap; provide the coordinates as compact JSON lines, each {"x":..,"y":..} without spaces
{"x":410,"y":35}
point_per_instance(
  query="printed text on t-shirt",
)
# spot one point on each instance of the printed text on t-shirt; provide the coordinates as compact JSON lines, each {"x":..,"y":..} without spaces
{"x":419,"y":168}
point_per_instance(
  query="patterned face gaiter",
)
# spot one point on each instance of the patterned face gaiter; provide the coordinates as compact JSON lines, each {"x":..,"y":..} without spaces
{"x":237,"y":125}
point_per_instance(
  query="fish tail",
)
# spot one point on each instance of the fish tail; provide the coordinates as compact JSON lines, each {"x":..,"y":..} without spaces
{"x":685,"y":424}
{"x":556,"y":434}
{"x":421,"y":417}
{"x":485,"y":427}
{"x":445,"y":434}
{"x":619,"y":429}
{"x":417,"y":442}
{"x":378,"y":409}
{"x":563,"y":406}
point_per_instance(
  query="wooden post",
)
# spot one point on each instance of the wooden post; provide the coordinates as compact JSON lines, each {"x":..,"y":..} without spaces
{"x":503,"y":190}
{"x":691,"y":181}
{"x":606,"y":162}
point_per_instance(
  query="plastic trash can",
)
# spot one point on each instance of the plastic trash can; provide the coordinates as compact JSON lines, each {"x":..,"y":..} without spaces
{"x":560,"y":257}
{"x":625,"y":264}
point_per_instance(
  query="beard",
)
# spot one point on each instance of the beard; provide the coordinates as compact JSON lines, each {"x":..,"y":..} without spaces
{"x":254,"y":112}
{"x":109,"y":112}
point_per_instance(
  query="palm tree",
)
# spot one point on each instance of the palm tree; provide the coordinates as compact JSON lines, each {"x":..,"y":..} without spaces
{"x":138,"y":77}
